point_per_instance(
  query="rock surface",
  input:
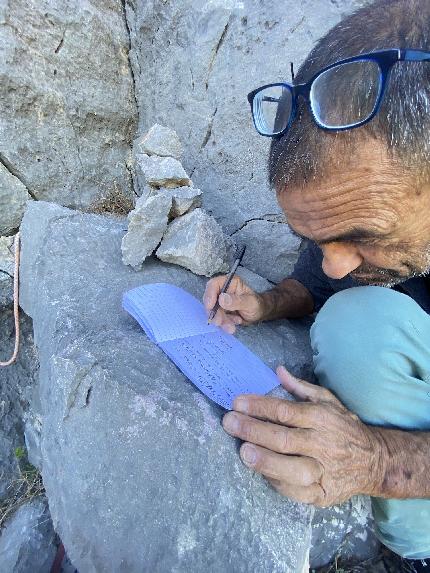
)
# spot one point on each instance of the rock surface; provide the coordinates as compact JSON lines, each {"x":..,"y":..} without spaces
{"x":27,"y":540}
{"x":196,"y":242}
{"x":343,"y":530}
{"x":271,"y":249}
{"x":125,"y":437}
{"x":159,"y":140}
{"x":66,"y":77}
{"x":146,"y":225}
{"x":7,"y":264}
{"x":13,"y":197}
{"x":16,"y":387}
{"x":208,"y":56}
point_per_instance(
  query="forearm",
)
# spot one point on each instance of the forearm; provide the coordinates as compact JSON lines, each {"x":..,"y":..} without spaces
{"x":402,"y":466}
{"x":288,"y":299}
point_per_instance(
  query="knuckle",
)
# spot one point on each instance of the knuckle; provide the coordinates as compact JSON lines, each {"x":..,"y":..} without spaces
{"x":285,"y":441}
{"x":283,"y":412}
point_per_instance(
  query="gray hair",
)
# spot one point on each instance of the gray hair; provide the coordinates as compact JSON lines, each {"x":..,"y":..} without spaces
{"x":305,"y":152}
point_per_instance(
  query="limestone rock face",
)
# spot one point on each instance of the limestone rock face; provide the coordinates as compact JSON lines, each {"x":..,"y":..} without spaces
{"x":27,"y":540}
{"x":146,"y":225}
{"x":208,"y":56}
{"x":196,"y":242}
{"x":271,"y":249}
{"x":67,"y":107}
{"x":160,"y":171}
{"x":159,"y":140}
{"x":125,"y":437}
{"x":13,"y":197}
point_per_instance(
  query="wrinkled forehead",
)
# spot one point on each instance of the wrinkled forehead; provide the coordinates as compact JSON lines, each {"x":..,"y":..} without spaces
{"x":367,"y":196}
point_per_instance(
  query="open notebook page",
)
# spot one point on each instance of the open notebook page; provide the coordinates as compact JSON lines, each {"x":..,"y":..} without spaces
{"x":167,"y":312}
{"x":215,"y":361}
{"x":220,"y":366}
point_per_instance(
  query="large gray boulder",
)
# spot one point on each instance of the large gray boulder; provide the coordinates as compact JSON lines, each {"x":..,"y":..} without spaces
{"x":67,"y":106}
{"x":27,"y":542}
{"x":194,"y":63}
{"x":139,"y":474}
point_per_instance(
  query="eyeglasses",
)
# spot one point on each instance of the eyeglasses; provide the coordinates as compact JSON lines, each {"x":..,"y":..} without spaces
{"x":341,"y":96}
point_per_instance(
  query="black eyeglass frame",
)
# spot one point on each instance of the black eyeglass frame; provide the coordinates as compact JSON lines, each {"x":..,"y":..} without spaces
{"x":385,"y":59}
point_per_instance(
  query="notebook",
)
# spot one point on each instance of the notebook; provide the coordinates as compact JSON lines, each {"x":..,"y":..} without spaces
{"x":215,"y":361}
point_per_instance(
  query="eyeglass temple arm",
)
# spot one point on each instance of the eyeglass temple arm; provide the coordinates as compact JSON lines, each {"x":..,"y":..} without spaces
{"x":415,"y":55}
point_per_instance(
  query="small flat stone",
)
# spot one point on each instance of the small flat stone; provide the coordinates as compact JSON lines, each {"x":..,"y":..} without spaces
{"x":146,"y":226}
{"x":160,"y":171}
{"x":161,"y":141}
{"x":196,"y":241}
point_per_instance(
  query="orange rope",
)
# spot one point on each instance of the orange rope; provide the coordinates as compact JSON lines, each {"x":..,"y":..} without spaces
{"x":15,"y":304}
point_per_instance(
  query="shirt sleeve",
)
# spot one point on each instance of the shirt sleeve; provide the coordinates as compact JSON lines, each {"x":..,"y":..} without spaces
{"x":308,"y":271}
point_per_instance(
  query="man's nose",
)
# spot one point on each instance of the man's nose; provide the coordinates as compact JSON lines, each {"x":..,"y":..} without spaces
{"x":340,"y":259}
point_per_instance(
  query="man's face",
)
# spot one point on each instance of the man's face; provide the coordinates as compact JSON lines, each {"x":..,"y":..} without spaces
{"x":366,"y":217}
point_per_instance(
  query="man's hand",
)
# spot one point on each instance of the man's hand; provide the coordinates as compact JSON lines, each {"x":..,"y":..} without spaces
{"x":241,"y":305}
{"x":315,"y":451}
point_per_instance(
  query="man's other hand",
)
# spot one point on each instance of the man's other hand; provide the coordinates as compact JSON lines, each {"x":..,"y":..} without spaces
{"x":240,"y":305}
{"x":314,"y":451}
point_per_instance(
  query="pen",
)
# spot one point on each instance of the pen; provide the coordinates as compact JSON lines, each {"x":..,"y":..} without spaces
{"x":227,"y":282}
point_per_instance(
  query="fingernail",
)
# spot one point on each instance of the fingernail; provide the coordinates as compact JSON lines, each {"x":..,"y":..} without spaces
{"x":225,"y":299}
{"x":282,"y":368}
{"x":231,"y":423}
{"x":241,"y":405}
{"x":249,"y":455}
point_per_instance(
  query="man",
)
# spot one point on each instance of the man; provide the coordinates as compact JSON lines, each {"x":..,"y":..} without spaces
{"x":350,"y":162}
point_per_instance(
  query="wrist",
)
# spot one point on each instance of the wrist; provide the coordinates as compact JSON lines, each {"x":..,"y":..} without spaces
{"x":378,"y":463}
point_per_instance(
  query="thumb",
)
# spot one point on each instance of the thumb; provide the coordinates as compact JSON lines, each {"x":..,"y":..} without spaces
{"x":229,"y":301}
{"x":305,"y":390}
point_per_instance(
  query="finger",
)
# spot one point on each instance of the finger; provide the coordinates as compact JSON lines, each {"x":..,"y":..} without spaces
{"x":212,"y":290}
{"x":295,"y":470}
{"x":279,"y":411}
{"x":310,"y":494}
{"x":235,"y":318}
{"x":271,"y":436}
{"x":305,"y":390}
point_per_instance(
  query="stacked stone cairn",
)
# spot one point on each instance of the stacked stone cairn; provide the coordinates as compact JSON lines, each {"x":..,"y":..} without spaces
{"x":168,"y":217}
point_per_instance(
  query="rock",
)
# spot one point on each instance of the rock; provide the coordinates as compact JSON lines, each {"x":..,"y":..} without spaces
{"x":27,"y":542}
{"x":344,"y":530}
{"x":7,"y":264}
{"x":159,"y":140}
{"x":184,"y":199}
{"x":196,"y":241}
{"x":146,"y":225}
{"x":16,"y":387}
{"x":271,"y":249}
{"x":160,"y":171}
{"x":259,"y":284}
{"x":13,"y":197}
{"x":67,"y":106}
{"x":213,"y":54}
{"x":139,"y":474}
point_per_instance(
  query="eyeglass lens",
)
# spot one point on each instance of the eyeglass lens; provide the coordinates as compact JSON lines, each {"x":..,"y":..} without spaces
{"x":272,"y":109}
{"x":346,"y":94}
